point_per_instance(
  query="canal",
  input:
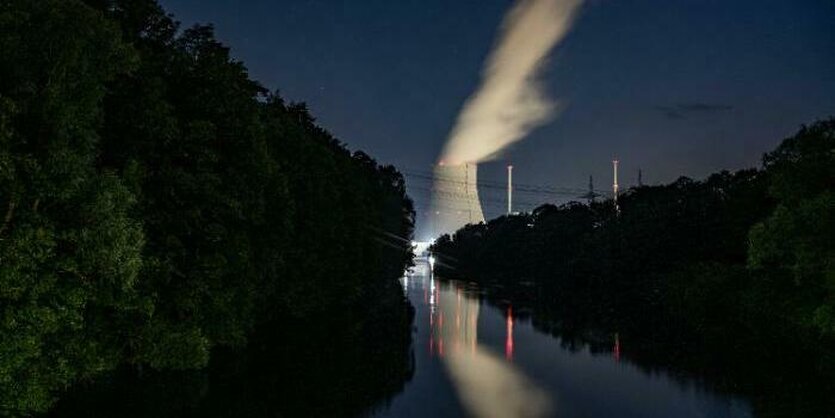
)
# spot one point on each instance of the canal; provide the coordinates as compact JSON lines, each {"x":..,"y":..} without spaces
{"x":473,"y":358}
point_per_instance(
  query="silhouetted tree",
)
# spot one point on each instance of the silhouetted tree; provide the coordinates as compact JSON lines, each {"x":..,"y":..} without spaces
{"x":157,"y":203}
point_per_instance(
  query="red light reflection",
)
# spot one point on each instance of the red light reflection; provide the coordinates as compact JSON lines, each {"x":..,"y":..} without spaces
{"x":508,"y":345}
{"x":616,"y":350}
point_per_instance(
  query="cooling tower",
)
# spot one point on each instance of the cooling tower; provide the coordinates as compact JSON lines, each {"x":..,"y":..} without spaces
{"x":455,"y":198}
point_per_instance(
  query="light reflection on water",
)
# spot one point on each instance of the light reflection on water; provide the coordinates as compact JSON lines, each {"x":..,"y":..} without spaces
{"x":487,"y":384}
{"x":473,"y":359}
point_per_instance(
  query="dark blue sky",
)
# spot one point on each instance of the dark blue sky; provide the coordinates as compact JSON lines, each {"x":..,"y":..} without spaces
{"x":675,"y":87}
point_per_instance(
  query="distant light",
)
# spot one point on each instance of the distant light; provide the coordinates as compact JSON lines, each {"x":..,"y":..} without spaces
{"x":432,"y":261}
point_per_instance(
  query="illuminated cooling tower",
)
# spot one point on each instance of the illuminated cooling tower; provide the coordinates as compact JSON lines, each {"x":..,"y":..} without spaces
{"x":455,"y":198}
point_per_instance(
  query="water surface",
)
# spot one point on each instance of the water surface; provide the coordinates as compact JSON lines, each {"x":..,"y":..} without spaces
{"x":476,"y":359}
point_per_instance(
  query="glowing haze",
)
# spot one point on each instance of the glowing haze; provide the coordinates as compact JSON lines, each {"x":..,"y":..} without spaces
{"x":509,"y":103}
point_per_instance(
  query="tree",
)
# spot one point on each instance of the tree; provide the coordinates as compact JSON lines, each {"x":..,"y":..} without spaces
{"x":795,"y":244}
{"x":156,"y":202}
{"x":70,"y":251}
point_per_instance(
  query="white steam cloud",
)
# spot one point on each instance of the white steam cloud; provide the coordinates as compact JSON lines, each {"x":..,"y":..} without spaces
{"x":509,"y":103}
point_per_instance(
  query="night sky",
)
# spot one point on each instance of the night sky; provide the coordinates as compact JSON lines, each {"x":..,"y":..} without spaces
{"x":675,"y":87}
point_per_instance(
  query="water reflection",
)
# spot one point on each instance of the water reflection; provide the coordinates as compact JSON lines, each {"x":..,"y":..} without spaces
{"x":459,"y":334}
{"x":487,"y":384}
{"x":305,"y":366}
{"x":508,"y":345}
{"x":474,"y":358}
{"x":616,"y":348}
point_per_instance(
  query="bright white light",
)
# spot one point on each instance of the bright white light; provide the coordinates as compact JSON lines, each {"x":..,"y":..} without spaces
{"x":432,"y":261}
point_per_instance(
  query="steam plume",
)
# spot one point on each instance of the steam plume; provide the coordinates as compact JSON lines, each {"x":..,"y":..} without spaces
{"x":509,"y":103}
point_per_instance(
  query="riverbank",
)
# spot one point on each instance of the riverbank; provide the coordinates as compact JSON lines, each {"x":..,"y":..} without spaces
{"x":337,"y":363}
{"x":159,"y":206}
{"x":779,"y":376}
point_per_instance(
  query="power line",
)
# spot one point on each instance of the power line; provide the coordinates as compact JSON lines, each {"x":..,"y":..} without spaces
{"x":464,"y":197}
{"x":527,"y":188}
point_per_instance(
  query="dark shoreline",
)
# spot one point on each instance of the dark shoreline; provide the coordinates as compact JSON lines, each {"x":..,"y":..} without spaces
{"x":329,"y":364}
{"x":780,"y":380}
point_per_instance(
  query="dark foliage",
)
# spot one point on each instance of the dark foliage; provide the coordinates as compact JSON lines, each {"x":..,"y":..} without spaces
{"x":157,"y":203}
{"x":735,"y":274}
{"x":322,"y":365}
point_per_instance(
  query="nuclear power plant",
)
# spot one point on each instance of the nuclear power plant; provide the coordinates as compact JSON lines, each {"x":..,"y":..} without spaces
{"x":455,"y":201}
{"x":508,"y":104}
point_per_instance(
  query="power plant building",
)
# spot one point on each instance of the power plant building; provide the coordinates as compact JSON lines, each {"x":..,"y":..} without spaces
{"x":455,"y":201}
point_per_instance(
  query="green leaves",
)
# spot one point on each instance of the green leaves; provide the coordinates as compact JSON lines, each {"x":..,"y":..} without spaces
{"x":69,"y":250}
{"x":174,"y":346}
{"x":155,"y":202}
{"x":795,"y":243}
{"x":804,"y":164}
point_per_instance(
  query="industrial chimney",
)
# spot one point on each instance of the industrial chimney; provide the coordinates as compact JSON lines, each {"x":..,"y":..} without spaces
{"x":509,"y":189}
{"x":615,"y":184}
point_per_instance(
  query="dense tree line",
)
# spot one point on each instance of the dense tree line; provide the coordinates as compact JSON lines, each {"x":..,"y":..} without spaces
{"x":740,"y":265}
{"x":156,"y":202}
{"x":319,"y":365}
